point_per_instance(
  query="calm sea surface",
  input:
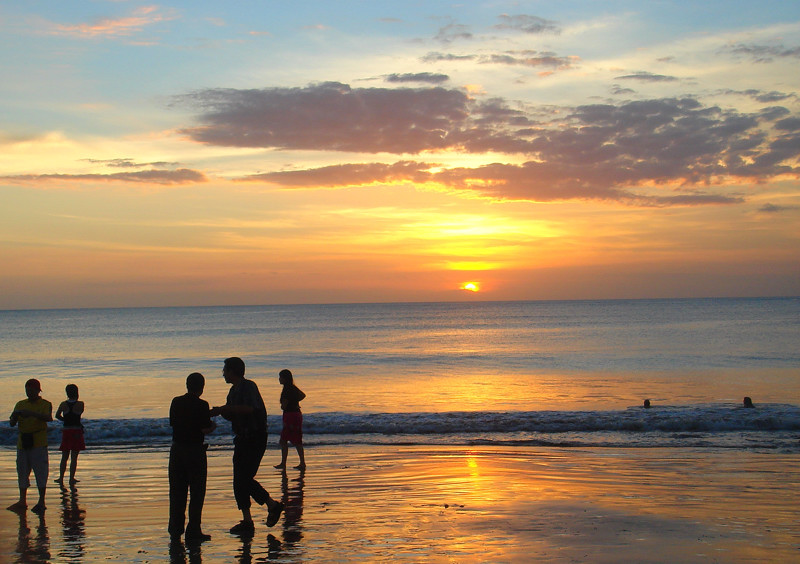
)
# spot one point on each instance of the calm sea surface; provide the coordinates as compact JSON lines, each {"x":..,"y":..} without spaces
{"x":493,"y":371}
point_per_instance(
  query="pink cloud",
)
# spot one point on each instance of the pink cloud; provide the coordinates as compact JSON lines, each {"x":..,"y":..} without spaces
{"x":115,"y":27}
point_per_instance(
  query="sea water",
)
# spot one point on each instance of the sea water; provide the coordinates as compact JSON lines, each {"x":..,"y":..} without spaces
{"x":570,"y":373}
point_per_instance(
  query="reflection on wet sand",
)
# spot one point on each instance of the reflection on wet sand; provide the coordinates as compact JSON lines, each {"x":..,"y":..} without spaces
{"x":364,"y":503}
{"x":180,"y":553}
{"x":32,"y":546}
{"x":74,"y":526}
{"x":293,"y":512}
{"x":292,"y":498}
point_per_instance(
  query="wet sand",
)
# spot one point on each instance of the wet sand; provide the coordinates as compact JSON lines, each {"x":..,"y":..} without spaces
{"x":430,"y":504}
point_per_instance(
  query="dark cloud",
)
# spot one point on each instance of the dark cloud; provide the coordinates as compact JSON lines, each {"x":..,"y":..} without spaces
{"x":617,"y":90}
{"x":129,"y":163}
{"x":453,"y":32}
{"x":602,"y":151}
{"x":773,"y":113}
{"x":532,"y":181}
{"x":760,"y":95}
{"x":165,"y":177}
{"x":528,"y":24}
{"x":764,"y":53}
{"x":429,"y":77}
{"x":543,"y":182}
{"x":347,"y":175}
{"x":773,"y":208}
{"x":788,"y":124}
{"x":529,"y":59}
{"x":773,"y":96}
{"x":648,"y":77}
{"x":526,"y":58}
{"x":331,"y":116}
{"x":435,"y":57}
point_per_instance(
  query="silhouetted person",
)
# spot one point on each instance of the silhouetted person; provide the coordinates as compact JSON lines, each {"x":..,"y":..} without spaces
{"x":69,"y":412}
{"x":32,"y":415}
{"x":292,"y":431}
{"x":747,"y":402}
{"x":646,"y":404}
{"x":245,"y":410}
{"x":190,"y":418}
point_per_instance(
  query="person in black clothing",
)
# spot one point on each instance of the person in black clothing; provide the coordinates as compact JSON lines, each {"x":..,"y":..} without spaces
{"x":245,"y":409}
{"x":72,"y":442}
{"x":292,"y":432}
{"x":190,"y":418}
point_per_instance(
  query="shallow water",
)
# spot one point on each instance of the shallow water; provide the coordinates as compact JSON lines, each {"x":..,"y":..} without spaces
{"x":439,"y":373}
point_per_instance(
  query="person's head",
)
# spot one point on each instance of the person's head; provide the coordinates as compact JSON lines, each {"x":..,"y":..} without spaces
{"x":647,"y":404}
{"x":72,"y":391}
{"x":285,"y":377}
{"x":233,"y":369}
{"x":33,"y":388}
{"x":747,"y":402}
{"x":195,"y":383}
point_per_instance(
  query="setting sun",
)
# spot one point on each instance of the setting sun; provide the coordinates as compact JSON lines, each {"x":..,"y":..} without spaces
{"x":470,"y":286}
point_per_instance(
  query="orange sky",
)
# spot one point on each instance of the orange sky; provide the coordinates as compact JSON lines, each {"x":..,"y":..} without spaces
{"x":183,"y":155}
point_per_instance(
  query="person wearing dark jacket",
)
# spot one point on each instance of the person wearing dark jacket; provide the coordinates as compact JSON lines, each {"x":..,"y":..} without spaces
{"x":245,"y":409}
{"x":190,"y":418}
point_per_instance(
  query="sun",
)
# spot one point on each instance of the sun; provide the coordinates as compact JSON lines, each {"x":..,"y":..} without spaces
{"x":471,"y":286}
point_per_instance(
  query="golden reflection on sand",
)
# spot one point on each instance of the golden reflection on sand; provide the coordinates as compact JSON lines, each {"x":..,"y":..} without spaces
{"x":436,"y":504}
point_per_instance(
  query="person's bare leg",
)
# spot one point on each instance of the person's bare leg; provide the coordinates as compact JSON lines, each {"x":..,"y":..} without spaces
{"x":73,"y":466}
{"x":22,"y":503}
{"x":63,"y":467}
{"x":302,"y":455}
{"x":40,"y":506}
{"x":284,"y":455}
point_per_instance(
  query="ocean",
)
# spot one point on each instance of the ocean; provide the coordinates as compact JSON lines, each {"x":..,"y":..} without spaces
{"x":569,"y":374}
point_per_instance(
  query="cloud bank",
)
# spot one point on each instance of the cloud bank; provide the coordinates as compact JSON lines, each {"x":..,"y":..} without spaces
{"x":605,"y":151}
{"x":161,"y":177}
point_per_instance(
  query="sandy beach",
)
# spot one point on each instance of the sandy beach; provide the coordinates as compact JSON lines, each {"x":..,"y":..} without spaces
{"x":432,"y":504}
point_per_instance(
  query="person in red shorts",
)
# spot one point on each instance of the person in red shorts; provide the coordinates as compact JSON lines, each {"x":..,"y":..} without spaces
{"x":291,"y":396}
{"x":69,"y":412}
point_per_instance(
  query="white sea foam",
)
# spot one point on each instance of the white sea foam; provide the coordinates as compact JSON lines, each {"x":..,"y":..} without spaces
{"x":768,"y":426}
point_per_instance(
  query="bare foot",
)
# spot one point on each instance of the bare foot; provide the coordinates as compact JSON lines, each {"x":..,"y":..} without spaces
{"x":19,"y":506}
{"x":280,"y":466}
{"x":300,"y":467}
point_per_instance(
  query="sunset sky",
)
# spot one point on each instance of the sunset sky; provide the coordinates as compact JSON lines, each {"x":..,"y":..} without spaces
{"x":259,"y":152}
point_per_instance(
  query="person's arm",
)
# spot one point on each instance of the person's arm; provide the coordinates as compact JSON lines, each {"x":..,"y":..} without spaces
{"x":228,"y":411}
{"x":35,"y":414}
{"x":60,"y":411}
{"x":300,"y":395}
{"x":245,"y":403}
{"x":172,"y":413}
{"x":210,"y":429}
{"x":208,"y":425}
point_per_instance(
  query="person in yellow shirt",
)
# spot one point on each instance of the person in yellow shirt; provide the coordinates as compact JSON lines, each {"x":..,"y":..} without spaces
{"x":32,"y":415}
